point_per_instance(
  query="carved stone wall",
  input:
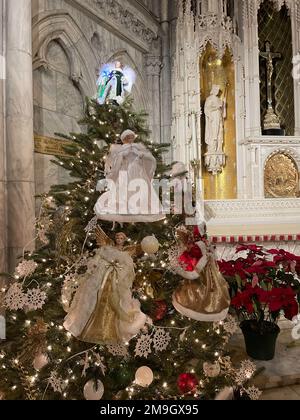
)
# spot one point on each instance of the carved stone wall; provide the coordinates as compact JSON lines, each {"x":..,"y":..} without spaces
{"x":71,"y":40}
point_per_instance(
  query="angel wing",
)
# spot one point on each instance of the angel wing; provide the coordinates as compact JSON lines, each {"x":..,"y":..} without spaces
{"x":130,"y":77}
{"x":134,"y":250}
{"x":105,"y":71}
{"x":102,"y":238}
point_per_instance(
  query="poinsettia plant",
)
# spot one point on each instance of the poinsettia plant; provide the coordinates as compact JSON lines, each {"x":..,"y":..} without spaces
{"x":263,"y":283}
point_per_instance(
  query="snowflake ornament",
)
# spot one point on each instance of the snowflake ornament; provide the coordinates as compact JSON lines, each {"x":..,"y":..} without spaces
{"x":57,"y":383}
{"x":86,"y":365}
{"x":249,"y":368}
{"x":143,"y":346}
{"x":245,"y":373}
{"x":100,"y":363}
{"x":91,"y":225}
{"x":15,"y":298}
{"x":174,"y":254}
{"x":230,"y":325}
{"x":26,"y":268}
{"x":226,"y":363}
{"x":36,"y":299}
{"x":118,"y":350}
{"x":254,"y":393}
{"x":161,"y":340}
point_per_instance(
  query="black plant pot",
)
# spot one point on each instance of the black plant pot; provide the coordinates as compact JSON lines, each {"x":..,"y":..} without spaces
{"x":260,"y":339}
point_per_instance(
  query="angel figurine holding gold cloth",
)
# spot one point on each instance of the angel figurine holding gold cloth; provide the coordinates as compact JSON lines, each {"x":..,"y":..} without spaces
{"x":103,"y":310}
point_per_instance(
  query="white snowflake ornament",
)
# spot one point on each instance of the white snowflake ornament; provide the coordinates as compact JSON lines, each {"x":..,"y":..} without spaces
{"x":254,"y":393}
{"x":57,"y":383}
{"x":91,"y":225}
{"x":26,"y":268}
{"x":15,"y":298}
{"x":36,"y":299}
{"x":161,"y":340}
{"x":118,"y":350}
{"x":100,"y":363}
{"x":230,"y":325}
{"x":143,"y":346}
{"x":248,"y":368}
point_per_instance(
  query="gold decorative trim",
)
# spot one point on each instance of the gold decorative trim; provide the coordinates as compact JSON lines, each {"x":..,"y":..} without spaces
{"x":50,"y":146}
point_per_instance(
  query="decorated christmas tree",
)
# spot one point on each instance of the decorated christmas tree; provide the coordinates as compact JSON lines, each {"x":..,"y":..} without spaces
{"x":119,"y":304}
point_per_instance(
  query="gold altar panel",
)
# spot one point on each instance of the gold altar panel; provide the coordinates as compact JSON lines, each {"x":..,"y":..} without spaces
{"x":216,"y":71}
{"x":281,"y":177}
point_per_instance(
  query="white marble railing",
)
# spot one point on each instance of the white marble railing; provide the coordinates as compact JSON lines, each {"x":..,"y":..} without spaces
{"x":248,"y":212}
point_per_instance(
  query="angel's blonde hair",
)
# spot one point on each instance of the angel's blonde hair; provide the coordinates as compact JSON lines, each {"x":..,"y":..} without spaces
{"x":121,"y":233}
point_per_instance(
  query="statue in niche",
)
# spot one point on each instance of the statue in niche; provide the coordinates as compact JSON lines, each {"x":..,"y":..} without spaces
{"x":215,"y":114}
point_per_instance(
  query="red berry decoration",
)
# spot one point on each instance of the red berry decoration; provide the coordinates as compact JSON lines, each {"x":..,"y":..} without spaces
{"x":160,"y":310}
{"x":187,"y":383}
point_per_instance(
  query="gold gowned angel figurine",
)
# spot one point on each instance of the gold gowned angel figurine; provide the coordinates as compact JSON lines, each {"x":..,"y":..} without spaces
{"x":103,"y":310}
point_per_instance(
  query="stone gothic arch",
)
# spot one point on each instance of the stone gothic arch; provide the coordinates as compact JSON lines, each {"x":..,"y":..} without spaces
{"x":59,"y":26}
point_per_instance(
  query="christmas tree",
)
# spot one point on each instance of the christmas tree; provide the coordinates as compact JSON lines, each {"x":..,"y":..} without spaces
{"x":172,"y":356}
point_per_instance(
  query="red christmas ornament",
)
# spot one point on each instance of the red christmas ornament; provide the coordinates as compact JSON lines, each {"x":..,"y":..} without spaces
{"x":160,"y":310}
{"x":187,"y":383}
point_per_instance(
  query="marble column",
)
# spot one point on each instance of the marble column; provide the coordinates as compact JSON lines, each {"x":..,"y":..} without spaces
{"x":166,"y":95}
{"x":3,"y":235}
{"x":3,"y":232}
{"x":252,"y":75}
{"x":153,"y":68}
{"x":19,"y":128}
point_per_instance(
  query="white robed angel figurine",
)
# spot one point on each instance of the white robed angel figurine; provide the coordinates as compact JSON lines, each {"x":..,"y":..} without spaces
{"x":103,"y":310}
{"x":131,"y":197}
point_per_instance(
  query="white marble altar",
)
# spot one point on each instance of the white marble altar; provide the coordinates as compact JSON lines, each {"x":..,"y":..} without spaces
{"x":197,"y":26}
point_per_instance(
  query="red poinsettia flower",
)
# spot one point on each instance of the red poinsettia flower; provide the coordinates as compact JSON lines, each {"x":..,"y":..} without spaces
{"x":291,"y":310}
{"x":252,"y":248}
{"x":243,"y":300}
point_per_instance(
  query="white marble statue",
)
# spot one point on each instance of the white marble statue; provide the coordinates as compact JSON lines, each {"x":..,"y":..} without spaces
{"x":215,"y":114}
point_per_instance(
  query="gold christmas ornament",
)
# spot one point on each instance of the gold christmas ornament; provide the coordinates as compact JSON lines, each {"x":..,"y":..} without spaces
{"x":144,"y":376}
{"x":150,"y":245}
{"x":92,"y":392}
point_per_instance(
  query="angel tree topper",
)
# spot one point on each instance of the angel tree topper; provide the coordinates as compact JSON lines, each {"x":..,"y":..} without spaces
{"x":114,"y":82}
{"x":131,"y":197}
